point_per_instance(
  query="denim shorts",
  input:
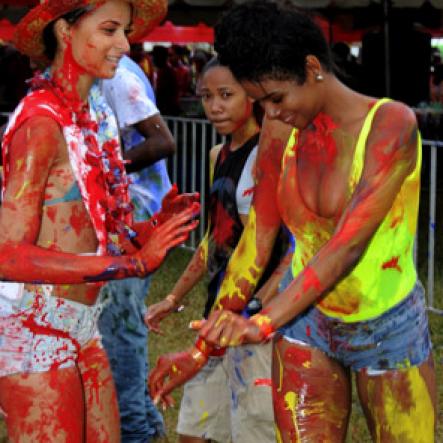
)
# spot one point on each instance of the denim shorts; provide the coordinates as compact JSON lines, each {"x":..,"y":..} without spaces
{"x":397,"y":339}
{"x":40,"y":332}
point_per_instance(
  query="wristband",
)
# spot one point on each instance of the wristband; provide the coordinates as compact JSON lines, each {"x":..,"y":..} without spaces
{"x":263,"y":322}
{"x":171,"y":298}
{"x":199,"y":357}
{"x":140,"y":270}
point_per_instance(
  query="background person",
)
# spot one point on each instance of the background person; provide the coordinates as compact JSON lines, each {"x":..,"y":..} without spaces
{"x":146,"y":141}
{"x":225,"y":392}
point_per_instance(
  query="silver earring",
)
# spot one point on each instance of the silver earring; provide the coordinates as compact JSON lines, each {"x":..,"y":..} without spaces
{"x":319,"y":77}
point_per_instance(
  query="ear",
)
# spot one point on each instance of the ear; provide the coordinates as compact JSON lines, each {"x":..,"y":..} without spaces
{"x":62,"y":32}
{"x":314,"y":69}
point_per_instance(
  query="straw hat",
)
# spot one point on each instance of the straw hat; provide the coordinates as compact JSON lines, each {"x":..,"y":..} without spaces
{"x":28,"y":37}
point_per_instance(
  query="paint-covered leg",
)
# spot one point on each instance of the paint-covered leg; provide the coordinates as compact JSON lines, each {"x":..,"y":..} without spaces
{"x":400,"y":405}
{"x":312,"y":395}
{"x":44,"y":407}
{"x":102,"y":417}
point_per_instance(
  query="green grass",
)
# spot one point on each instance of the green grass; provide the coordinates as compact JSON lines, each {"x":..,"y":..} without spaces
{"x":177,"y":337}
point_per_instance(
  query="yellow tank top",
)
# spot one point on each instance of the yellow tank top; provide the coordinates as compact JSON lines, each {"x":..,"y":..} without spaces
{"x":386,"y":272}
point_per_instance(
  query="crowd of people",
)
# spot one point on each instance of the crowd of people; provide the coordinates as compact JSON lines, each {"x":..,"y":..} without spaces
{"x":309,"y":249}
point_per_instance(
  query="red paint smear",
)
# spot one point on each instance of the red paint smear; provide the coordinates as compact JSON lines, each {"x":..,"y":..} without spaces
{"x":249,"y":191}
{"x":79,"y":220}
{"x":295,"y":356}
{"x":263,"y":382}
{"x":308,"y":330}
{"x":222,"y":232}
{"x":311,"y":280}
{"x":51,"y":212}
{"x":392,"y":264}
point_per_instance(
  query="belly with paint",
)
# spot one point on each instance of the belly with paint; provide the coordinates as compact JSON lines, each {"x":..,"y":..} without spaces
{"x":66,"y":227}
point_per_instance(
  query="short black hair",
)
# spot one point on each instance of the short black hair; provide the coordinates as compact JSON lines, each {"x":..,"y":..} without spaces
{"x":265,"y":39}
{"x":49,"y":39}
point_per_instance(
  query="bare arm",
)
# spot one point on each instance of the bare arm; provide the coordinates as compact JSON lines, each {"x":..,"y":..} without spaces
{"x":255,"y":246}
{"x":33,"y":151}
{"x":158,"y":144}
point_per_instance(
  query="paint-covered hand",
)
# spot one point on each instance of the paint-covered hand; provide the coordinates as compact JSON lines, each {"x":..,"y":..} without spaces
{"x":224,"y":328}
{"x":171,"y":371}
{"x":173,"y":204}
{"x":163,"y":238}
{"x":158,"y":311}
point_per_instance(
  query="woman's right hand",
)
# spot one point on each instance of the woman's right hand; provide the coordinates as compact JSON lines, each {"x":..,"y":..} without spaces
{"x":163,"y":238}
{"x":157,"y":312}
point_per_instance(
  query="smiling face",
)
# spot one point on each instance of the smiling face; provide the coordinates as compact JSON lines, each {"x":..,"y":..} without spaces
{"x":98,"y":40}
{"x":225,"y":102}
{"x":289,"y":101}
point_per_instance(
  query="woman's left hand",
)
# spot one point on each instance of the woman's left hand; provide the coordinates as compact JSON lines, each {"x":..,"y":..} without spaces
{"x":224,"y":328}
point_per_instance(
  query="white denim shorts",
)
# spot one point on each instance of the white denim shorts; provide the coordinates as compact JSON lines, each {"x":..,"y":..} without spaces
{"x":40,"y":332}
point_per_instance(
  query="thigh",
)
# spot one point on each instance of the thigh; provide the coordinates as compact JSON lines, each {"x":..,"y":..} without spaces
{"x":312,"y":394}
{"x":102,"y":417}
{"x":400,"y":405}
{"x":44,"y":407}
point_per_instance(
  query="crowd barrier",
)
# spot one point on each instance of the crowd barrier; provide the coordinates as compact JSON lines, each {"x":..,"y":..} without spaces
{"x":189,"y":168}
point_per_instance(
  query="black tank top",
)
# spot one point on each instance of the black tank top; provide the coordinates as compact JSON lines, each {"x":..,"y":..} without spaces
{"x":225,"y":224}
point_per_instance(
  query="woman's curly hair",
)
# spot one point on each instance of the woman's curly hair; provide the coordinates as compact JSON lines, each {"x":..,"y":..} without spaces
{"x":264,"y":39}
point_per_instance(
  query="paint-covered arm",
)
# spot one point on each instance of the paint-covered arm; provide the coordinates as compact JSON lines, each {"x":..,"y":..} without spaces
{"x":193,"y":273}
{"x":33,"y":151}
{"x":253,"y":251}
{"x":391,"y":154}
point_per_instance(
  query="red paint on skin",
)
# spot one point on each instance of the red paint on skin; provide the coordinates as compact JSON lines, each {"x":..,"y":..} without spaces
{"x":392,"y":264}
{"x":317,"y":144}
{"x":79,"y":220}
{"x":311,"y":280}
{"x":51,"y":212}
{"x":308,"y":331}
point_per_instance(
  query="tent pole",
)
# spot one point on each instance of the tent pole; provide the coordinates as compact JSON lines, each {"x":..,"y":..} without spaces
{"x":386,"y":10}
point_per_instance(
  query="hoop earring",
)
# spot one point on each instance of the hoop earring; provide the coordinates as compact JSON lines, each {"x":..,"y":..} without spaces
{"x":319,"y":77}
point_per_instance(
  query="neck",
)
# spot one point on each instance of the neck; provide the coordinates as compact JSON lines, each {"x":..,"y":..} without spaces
{"x":342,"y":103}
{"x":71,"y":77}
{"x":244,"y":133}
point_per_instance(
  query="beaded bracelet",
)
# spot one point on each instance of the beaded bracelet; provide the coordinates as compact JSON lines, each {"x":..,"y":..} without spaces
{"x":263,"y":323}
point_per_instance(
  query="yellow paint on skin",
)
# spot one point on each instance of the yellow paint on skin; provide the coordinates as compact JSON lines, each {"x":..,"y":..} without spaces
{"x":243,"y":258}
{"x":19,"y":163}
{"x":417,"y":422}
{"x":22,"y":190}
{"x":280,"y":375}
{"x":278,"y":436}
{"x":291,"y":399}
{"x":174,"y":369}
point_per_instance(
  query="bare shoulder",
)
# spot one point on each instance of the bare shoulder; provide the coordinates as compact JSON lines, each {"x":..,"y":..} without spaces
{"x":39,"y":132}
{"x":396,"y":114}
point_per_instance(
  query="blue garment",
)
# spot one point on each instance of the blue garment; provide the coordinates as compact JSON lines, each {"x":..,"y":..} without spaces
{"x":124,"y":336}
{"x":124,"y":333}
{"x":399,"y":338}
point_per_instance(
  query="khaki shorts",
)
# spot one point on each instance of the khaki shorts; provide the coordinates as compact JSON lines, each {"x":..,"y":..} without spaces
{"x":230,"y":399}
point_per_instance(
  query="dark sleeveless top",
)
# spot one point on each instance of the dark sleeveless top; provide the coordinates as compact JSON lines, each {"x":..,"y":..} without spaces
{"x":225,"y":226}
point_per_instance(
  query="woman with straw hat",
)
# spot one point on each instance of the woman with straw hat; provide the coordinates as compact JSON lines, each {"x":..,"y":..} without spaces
{"x":65,"y":223}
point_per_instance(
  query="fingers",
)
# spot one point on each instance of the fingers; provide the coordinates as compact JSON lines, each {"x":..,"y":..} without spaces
{"x":196,"y":325}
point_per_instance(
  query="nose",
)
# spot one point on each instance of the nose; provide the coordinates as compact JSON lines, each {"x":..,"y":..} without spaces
{"x":123,"y":43}
{"x":215,"y":106}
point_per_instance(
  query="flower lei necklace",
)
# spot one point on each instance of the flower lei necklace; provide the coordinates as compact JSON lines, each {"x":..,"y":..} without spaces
{"x":91,"y":134}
